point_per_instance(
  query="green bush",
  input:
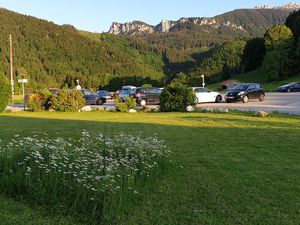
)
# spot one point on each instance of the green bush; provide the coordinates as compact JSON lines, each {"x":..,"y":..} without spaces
{"x":67,"y":101}
{"x":131,"y":103}
{"x":121,"y":107}
{"x":39,"y":101}
{"x":147,"y":85}
{"x":5,"y":92}
{"x":176,"y":97}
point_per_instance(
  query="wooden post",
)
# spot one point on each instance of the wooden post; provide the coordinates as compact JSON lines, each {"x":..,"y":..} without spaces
{"x":11,"y":68}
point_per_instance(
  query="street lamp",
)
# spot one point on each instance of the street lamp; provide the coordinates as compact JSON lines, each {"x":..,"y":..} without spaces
{"x":78,"y":87}
{"x":203,"y":81}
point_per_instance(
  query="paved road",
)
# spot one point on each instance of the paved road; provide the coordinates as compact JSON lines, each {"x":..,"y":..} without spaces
{"x":274,"y":102}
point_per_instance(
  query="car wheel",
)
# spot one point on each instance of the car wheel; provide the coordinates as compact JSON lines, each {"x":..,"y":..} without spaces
{"x":100,"y":102}
{"x":219,"y":99}
{"x":245,"y":99}
{"x":143,"y":102}
{"x":261,"y":97}
{"x":289,"y":90}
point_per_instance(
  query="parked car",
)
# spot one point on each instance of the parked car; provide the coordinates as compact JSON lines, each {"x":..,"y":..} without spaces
{"x":147,"y":95}
{"x":128,"y":87}
{"x":104,"y":94}
{"x":92,"y":98}
{"x":126,"y":92}
{"x":291,"y":87}
{"x":203,"y":95}
{"x":244,"y":92}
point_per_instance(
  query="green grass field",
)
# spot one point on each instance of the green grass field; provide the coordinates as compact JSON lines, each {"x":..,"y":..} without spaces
{"x":226,"y":168}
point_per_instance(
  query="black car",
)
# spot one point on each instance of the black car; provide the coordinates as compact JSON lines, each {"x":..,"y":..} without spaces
{"x":147,"y":95}
{"x":92,"y":98}
{"x":104,"y":94}
{"x":291,"y":87}
{"x":244,"y":92}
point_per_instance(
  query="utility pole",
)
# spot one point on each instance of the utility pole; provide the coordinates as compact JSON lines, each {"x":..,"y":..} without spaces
{"x":11,"y":68}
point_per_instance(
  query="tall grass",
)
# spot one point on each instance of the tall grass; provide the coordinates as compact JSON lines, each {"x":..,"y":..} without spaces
{"x":89,"y":175}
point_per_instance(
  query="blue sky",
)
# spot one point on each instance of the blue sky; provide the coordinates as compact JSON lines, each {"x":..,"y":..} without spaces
{"x":97,"y":15}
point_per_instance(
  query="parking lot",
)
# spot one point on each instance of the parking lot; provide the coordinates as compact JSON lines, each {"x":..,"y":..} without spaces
{"x":274,"y":102}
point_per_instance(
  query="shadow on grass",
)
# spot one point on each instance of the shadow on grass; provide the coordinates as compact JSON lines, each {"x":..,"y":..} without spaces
{"x":251,"y":120}
{"x":218,"y":176}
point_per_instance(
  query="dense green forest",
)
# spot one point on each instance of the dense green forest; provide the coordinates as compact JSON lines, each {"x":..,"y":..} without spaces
{"x":53,"y":56}
{"x":47,"y":54}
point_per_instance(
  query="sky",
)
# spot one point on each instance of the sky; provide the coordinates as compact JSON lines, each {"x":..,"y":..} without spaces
{"x":98,"y":15}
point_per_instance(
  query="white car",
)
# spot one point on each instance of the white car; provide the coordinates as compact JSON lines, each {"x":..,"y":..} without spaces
{"x":204,"y":95}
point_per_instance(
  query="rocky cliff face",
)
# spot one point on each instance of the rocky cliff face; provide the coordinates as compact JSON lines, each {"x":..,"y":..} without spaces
{"x":131,"y":28}
{"x":288,"y":6}
{"x":138,"y":28}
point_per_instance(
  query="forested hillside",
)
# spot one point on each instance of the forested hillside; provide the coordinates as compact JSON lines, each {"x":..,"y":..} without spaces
{"x":256,"y":21}
{"x":49,"y":54}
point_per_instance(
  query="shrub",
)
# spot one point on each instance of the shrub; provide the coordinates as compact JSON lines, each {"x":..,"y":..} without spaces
{"x":87,"y":175}
{"x":121,"y":107}
{"x":67,"y":101}
{"x":131,"y":103}
{"x":5,"y":92}
{"x":147,"y":85}
{"x":39,"y":101}
{"x":176,"y":97}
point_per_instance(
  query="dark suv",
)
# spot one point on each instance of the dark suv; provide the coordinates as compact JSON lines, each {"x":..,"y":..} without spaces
{"x":244,"y":92}
{"x":147,"y":95}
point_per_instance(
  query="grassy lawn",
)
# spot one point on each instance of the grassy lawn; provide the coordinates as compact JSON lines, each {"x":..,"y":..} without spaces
{"x":226,"y":168}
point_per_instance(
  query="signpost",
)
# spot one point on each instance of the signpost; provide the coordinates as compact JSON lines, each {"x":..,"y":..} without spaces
{"x":23,"y":81}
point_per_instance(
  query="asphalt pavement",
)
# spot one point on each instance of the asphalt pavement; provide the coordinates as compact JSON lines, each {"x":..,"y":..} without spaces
{"x":274,"y":102}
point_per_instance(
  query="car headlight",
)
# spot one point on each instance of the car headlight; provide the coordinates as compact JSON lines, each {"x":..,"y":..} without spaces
{"x":241,"y":93}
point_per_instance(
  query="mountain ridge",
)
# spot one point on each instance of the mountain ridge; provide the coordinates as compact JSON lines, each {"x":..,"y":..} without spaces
{"x":166,"y":26}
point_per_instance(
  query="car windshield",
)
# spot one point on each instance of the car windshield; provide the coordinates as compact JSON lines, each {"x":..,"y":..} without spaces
{"x":103,"y":92}
{"x":291,"y":84}
{"x":241,"y":87}
{"x":124,"y":92}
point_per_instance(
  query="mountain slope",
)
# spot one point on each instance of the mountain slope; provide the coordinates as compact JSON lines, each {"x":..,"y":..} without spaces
{"x":46,"y":53}
{"x":256,"y":21}
{"x":198,"y":32}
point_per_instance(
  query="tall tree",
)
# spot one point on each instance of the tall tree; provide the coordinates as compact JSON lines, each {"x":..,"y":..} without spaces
{"x":293,"y":22}
{"x":279,"y":42}
{"x":253,"y":55}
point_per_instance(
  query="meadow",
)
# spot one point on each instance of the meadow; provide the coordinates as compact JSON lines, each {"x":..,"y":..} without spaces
{"x":224,"y":168}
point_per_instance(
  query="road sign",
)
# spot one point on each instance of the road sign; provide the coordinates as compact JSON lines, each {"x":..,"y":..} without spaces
{"x":23,"y":81}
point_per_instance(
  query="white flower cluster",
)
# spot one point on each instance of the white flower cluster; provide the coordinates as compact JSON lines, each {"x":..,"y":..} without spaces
{"x":96,"y":163}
